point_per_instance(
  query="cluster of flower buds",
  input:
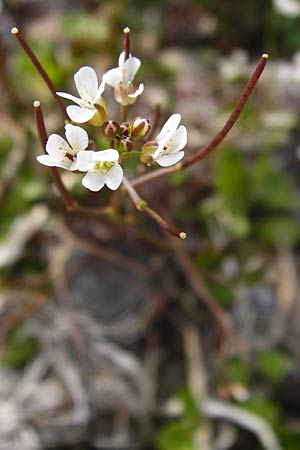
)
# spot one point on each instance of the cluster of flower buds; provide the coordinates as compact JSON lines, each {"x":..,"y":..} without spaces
{"x":103,"y":167}
{"x":122,"y":136}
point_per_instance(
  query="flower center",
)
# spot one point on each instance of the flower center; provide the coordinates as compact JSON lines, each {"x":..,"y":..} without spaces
{"x":103,"y":167}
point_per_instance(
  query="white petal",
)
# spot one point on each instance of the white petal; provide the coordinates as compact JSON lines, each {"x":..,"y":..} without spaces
{"x":77,"y":137}
{"x":169,"y":160}
{"x":80,"y":115}
{"x":138,"y":92}
{"x":131,"y":67}
{"x":70,"y":97}
{"x":99,"y":91}
{"x":114,"y":177}
{"x":73,"y":165}
{"x":47,"y":160}
{"x":113,"y":77}
{"x":93,"y":181}
{"x":57,"y":147}
{"x":179,"y":139}
{"x":109,"y":155}
{"x":121,"y":60}
{"x":85,"y":160}
{"x":170,"y":126}
{"x":86,"y":82}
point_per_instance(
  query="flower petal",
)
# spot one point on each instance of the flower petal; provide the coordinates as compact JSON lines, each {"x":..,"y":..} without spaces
{"x":121,"y":60}
{"x":179,"y":139}
{"x":86,"y":82}
{"x":80,"y":115}
{"x":138,"y":92}
{"x":85,"y":160}
{"x":170,"y":126}
{"x":113,"y":77}
{"x":114,"y":177}
{"x":131,"y":67}
{"x":77,"y":137}
{"x":109,"y":155}
{"x":70,"y":97}
{"x":57,"y":147}
{"x":93,"y":181}
{"x":47,"y":160}
{"x":99,"y":91}
{"x":169,"y":160}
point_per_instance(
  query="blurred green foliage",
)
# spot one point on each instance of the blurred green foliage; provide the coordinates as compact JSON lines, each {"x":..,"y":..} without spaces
{"x":20,"y":348}
{"x":178,"y":435}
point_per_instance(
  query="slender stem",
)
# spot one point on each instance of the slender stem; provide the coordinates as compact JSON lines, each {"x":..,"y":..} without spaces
{"x":155,"y":174}
{"x":126,"y":32}
{"x":233,"y":116}
{"x":68,"y":200}
{"x":141,"y":205}
{"x":16,"y":32}
{"x":124,"y":113}
{"x":220,"y":136}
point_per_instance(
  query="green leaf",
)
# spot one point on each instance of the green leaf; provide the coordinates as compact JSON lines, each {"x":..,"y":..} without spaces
{"x":231,"y":177}
{"x":278,"y":230}
{"x":179,"y":179}
{"x":274,"y":365}
{"x":270,"y":187}
{"x":235,"y":371}
{"x":266,"y":409}
{"x":19,"y":350}
{"x":175,"y":436}
{"x":221,"y":292}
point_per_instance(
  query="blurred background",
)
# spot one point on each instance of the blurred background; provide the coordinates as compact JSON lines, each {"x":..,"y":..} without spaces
{"x":115,"y":336}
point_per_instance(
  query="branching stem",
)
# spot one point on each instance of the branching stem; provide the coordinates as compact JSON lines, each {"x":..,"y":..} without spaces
{"x":16,"y":32}
{"x":141,"y":205}
{"x":204,"y":151}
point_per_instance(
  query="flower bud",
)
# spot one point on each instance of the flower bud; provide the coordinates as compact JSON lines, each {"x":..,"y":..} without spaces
{"x":140,"y":127}
{"x":126,"y":144}
{"x":124,"y":129}
{"x":109,"y":129}
{"x":146,"y":159}
{"x":149,"y":147}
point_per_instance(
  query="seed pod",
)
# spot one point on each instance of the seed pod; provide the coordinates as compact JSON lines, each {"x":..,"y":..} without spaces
{"x":109,"y":129}
{"x":140,"y":127}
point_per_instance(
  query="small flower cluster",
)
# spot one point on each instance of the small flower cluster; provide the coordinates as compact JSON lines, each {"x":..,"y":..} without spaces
{"x":103,"y":167}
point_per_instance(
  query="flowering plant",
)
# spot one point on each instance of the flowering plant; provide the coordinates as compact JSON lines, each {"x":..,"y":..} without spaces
{"x":125,"y":137}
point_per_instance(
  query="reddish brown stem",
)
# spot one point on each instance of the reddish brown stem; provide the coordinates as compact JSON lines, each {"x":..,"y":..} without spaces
{"x":219,"y":137}
{"x":126,"y":32}
{"x":233,"y":117}
{"x":168,"y":227}
{"x":16,"y":32}
{"x":141,"y":205}
{"x":68,"y":200}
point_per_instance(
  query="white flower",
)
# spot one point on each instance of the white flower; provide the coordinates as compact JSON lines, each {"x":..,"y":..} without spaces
{"x":86,"y":82}
{"x":121,"y":78}
{"x":171,"y":140}
{"x":62,"y":153}
{"x":289,"y":8}
{"x":102,"y":168}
